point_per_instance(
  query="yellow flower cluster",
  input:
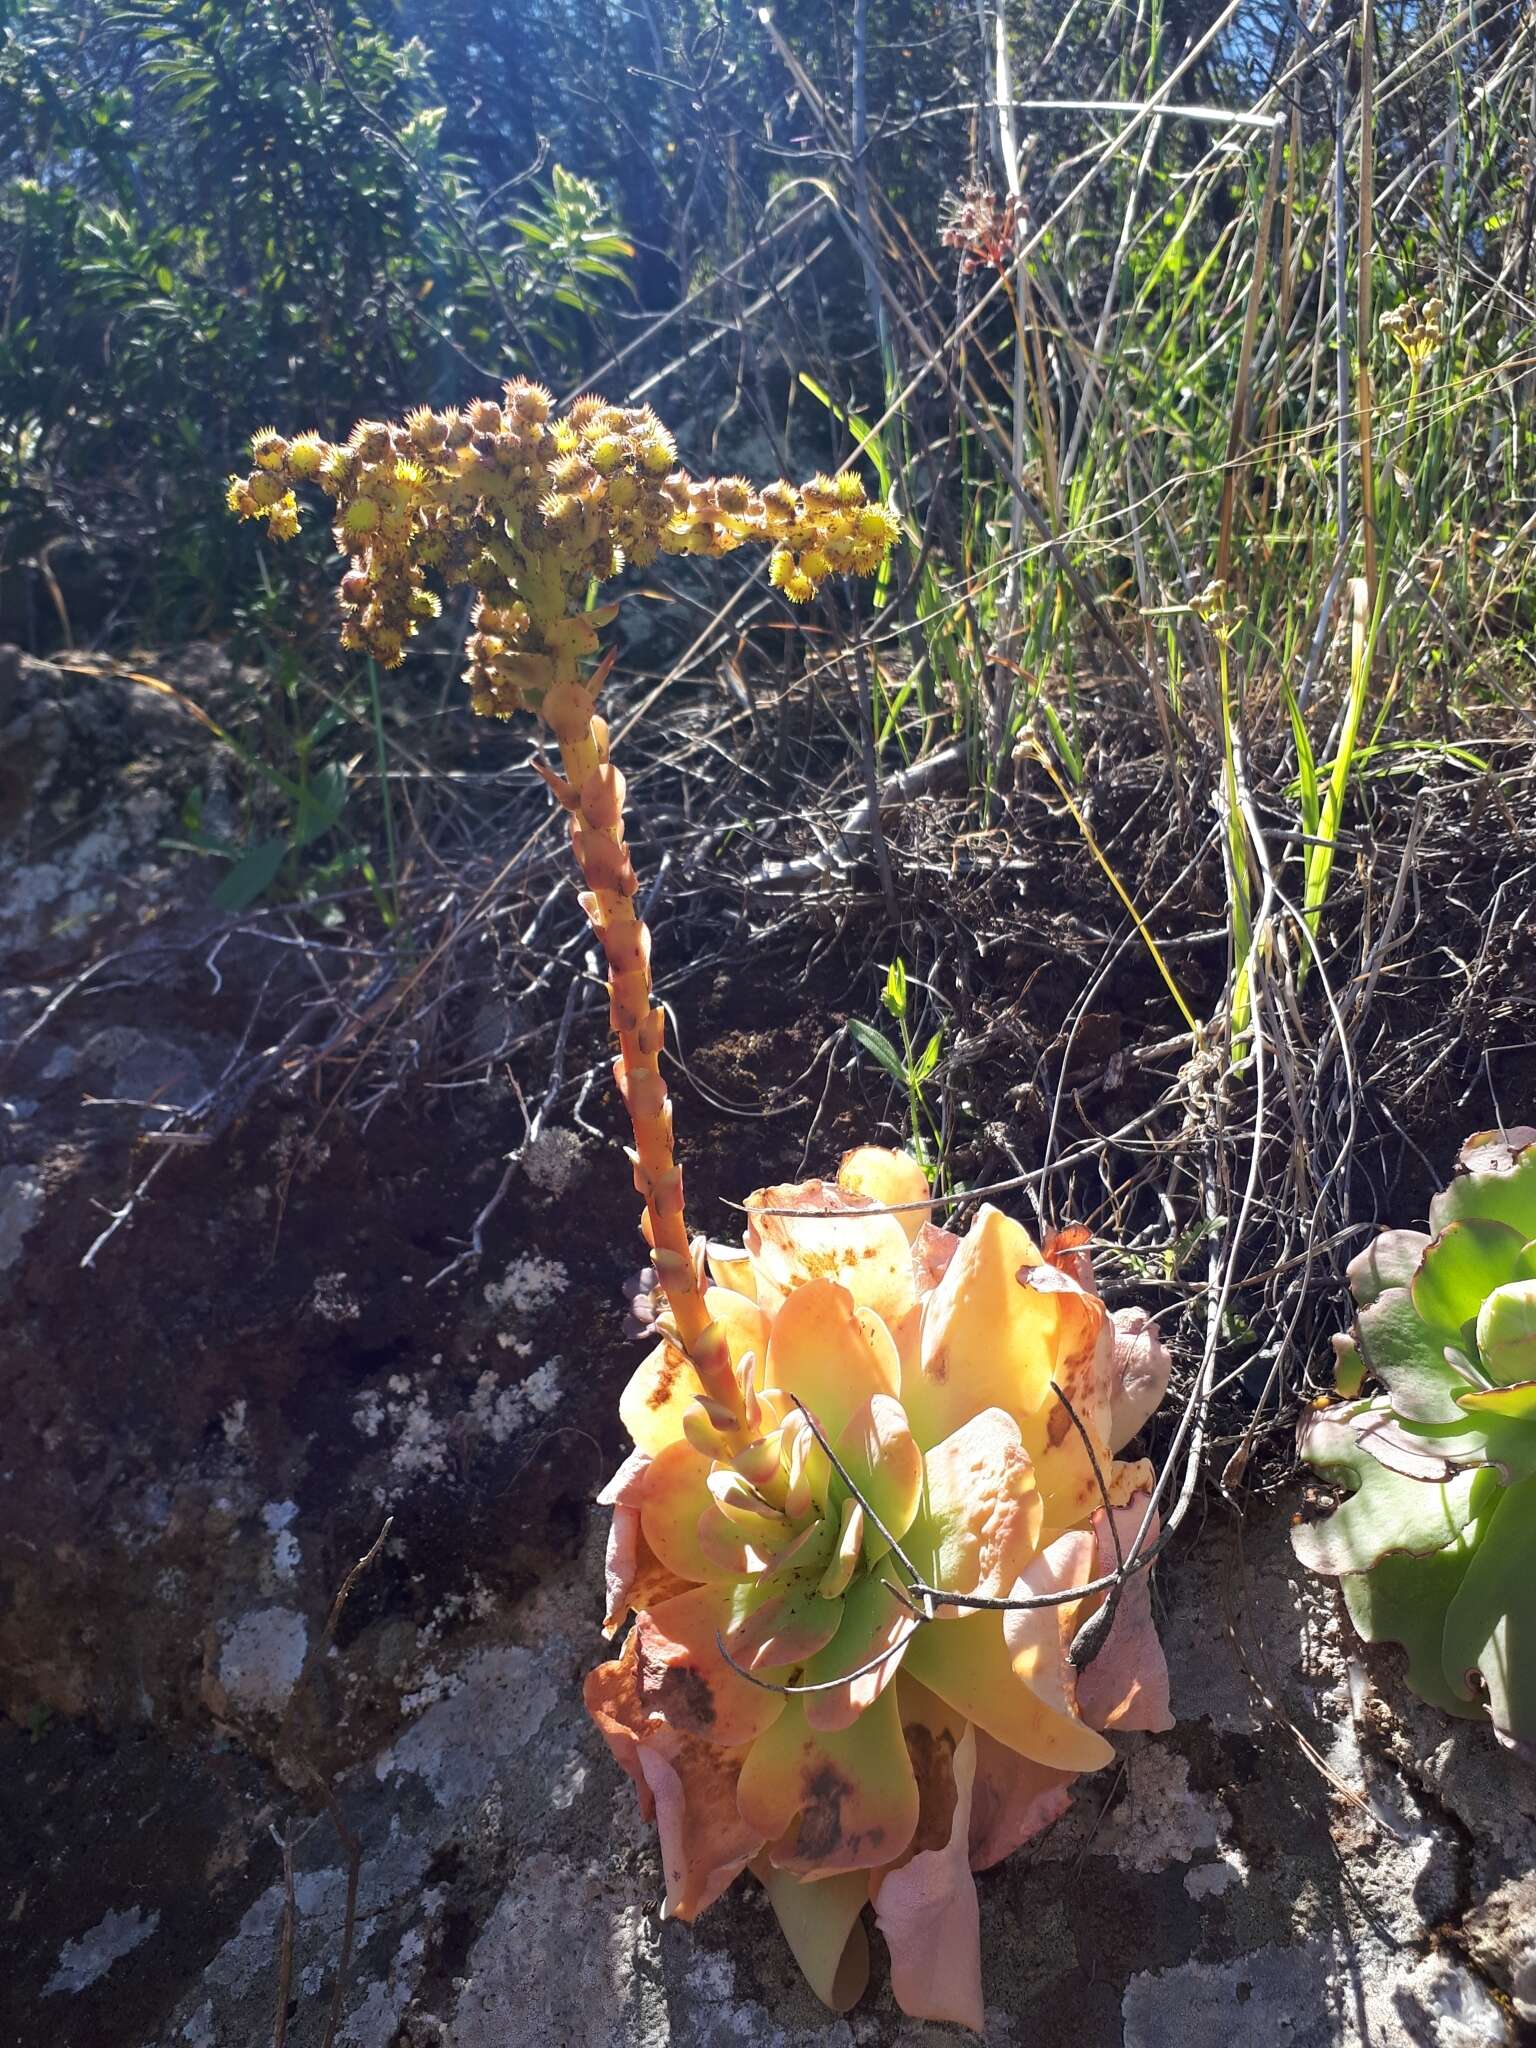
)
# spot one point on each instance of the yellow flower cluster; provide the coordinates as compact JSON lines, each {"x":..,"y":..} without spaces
{"x":1417,"y":328}
{"x":531,"y":509}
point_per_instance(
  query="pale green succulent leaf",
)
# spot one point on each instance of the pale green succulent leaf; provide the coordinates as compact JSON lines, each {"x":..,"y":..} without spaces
{"x":1404,"y":1600}
{"x":822,"y":1926}
{"x":1500,"y":1197}
{"x":1408,"y":1356}
{"x":1462,"y":1267}
{"x":1385,"y":1513}
{"x":1517,"y":1401}
{"x":1490,"y":1623}
{"x":1390,"y":1260}
{"x":1506,"y":1333}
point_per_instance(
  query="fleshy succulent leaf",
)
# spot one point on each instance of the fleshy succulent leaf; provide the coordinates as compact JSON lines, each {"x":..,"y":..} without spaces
{"x":1461,"y":1268}
{"x":1506,"y":1331}
{"x":822,"y":1353}
{"x":1389,"y":1260}
{"x":821,"y":1923}
{"x":1490,"y":1622}
{"x":830,"y":1800}
{"x":872,"y":1619}
{"x":1408,"y":1355}
{"x":660,"y":1391}
{"x":928,"y":1913}
{"x":967,"y":1663}
{"x":1403,"y":1600}
{"x":884,"y":1177}
{"x":881,"y":1457}
{"x":1500,"y":1185}
{"x":686,"y":1681}
{"x":1385,"y":1513}
{"x":1516,"y":1401}
{"x":705,"y":1844}
{"x":981,"y":1512}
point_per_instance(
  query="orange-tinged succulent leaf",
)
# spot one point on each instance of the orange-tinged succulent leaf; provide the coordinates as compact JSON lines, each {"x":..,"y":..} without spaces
{"x":730,"y":1267}
{"x":986,"y":1341}
{"x":932,"y":1250}
{"x":967,"y":1663}
{"x":611,"y":1694}
{"x":832,"y":1800}
{"x":928,"y":1913}
{"x":1126,"y":1685}
{"x":822,"y":1926}
{"x":880,"y":1455}
{"x":1038,"y":1637}
{"x":821,"y":1351}
{"x":841,"y":1240}
{"x":705,"y":1843}
{"x":684,"y":1680}
{"x":676,"y":1500}
{"x":872,"y":1619}
{"x":1013,"y":1800}
{"x":979,"y":1523}
{"x":659,"y":1393}
{"x":884,"y":1177}
{"x":1083,"y":1368}
{"x":739,"y":1317}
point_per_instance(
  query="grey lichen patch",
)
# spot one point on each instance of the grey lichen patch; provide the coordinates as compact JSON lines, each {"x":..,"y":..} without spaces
{"x":1310,"y":2000}
{"x":84,"y":1961}
{"x":261,"y":1659}
{"x":21,"y":1204}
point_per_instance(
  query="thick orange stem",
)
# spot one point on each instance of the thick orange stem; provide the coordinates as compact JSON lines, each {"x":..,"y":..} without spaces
{"x":592,"y":794}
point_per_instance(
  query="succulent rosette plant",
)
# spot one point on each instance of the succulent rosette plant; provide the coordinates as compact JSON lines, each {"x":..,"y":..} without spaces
{"x":1435,"y":1545}
{"x":917,"y":1409}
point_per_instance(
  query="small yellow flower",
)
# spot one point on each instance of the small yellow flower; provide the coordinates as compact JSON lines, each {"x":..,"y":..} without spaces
{"x":361,"y":516}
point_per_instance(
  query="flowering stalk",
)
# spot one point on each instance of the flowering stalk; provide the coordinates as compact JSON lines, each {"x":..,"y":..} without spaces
{"x":532,"y":511}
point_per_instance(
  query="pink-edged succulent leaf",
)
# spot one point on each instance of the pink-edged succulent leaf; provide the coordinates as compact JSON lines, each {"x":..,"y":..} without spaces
{"x":1037,"y":1638}
{"x":1126,"y":1685}
{"x":822,"y":1924}
{"x":1013,"y":1800}
{"x":831,"y":1800}
{"x":1139,"y":1376}
{"x":1386,"y":1513}
{"x":1390,"y":1260}
{"x":621,"y":1563}
{"x":705,"y":1843}
{"x":927,"y":1911}
{"x":780,"y":1618}
{"x":686,"y":1682}
{"x":980,"y":1519}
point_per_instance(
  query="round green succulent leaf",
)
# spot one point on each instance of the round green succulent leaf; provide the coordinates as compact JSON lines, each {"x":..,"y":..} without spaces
{"x":1490,"y":1622}
{"x":1386,"y":1512}
{"x":1407,"y":1354}
{"x":1462,"y":1267}
{"x":1506,"y":1333}
{"x":1501,"y":1188}
{"x":1348,"y":1367}
{"x":1404,"y":1600}
{"x":1390,"y":1260}
{"x":1516,"y":1402}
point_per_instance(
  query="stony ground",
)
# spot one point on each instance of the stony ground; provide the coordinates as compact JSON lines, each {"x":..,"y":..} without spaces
{"x":206,"y":1785}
